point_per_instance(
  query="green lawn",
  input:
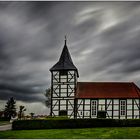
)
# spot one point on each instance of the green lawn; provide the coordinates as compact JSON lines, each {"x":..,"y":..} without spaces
{"x":4,"y":122}
{"x":92,"y":133}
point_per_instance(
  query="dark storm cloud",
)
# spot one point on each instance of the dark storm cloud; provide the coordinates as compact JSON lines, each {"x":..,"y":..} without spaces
{"x":103,"y":39}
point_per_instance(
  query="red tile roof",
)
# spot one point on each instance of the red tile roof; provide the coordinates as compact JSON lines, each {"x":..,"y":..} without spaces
{"x":107,"y":90}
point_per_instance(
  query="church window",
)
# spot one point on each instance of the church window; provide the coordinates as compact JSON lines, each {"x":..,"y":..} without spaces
{"x":94,"y":108}
{"x":123,"y":107}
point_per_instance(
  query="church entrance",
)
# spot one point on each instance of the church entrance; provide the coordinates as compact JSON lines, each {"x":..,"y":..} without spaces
{"x":63,"y":113}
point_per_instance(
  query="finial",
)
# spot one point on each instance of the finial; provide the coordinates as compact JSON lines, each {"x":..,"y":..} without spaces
{"x":65,"y":40}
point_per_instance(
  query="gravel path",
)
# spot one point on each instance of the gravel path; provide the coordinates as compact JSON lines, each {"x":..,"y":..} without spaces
{"x":5,"y":127}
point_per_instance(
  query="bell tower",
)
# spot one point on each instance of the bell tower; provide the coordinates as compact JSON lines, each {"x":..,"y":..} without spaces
{"x":64,"y":76}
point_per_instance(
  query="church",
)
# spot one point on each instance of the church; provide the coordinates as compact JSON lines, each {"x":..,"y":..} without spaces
{"x":114,"y":100}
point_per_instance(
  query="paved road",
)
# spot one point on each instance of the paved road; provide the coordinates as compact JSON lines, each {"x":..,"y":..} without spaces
{"x":5,"y":127}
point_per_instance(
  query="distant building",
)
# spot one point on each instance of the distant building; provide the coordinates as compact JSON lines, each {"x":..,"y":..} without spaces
{"x":75,"y":99}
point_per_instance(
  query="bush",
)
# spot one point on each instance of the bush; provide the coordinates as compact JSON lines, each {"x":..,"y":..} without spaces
{"x":57,"y":118}
{"x":73,"y":123}
{"x":4,"y":119}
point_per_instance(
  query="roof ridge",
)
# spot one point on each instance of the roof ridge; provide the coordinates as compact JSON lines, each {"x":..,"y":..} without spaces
{"x":107,"y":90}
{"x":107,"y":82}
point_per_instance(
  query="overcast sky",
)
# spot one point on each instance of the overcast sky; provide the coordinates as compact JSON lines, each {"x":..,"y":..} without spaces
{"x":103,"y":39}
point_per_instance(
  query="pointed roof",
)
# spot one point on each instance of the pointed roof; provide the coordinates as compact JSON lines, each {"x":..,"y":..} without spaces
{"x":65,"y":61}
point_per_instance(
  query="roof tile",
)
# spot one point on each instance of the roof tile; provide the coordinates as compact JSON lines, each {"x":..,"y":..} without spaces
{"x":107,"y":90}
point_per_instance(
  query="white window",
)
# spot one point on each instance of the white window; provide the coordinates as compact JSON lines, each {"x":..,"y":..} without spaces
{"x":94,"y":107}
{"x":122,"y":107}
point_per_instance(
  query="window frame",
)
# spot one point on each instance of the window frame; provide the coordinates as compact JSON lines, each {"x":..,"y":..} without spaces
{"x":122,"y":107}
{"x":93,"y":108}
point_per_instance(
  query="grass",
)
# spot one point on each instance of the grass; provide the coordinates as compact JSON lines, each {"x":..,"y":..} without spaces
{"x":85,"y":133}
{"x":4,"y":122}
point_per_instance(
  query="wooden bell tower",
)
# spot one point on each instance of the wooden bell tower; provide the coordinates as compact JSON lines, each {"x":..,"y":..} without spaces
{"x":64,"y":76}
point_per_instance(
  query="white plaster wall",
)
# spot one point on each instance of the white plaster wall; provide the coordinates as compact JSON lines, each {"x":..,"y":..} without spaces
{"x":109,"y":107}
{"x":81,"y":115}
{"x":87,"y":107}
{"x":108,"y":101}
{"x":109,"y":113}
{"x":129,"y":117}
{"x":86,"y":113}
{"x":55,"y":95}
{"x":135,"y":106}
{"x":115,"y":113}
{"x":115,"y":117}
{"x":129,"y":101}
{"x":136,"y":112}
{"x":56,"y":113}
{"x":116,"y":107}
{"x":80,"y":107}
{"x":137,"y":101}
{"x":69,"y":112}
{"x":116,"y":101}
{"x":101,"y":101}
{"x":62,"y":107}
{"x":80,"y":101}
{"x":87,"y":101}
{"x":129,"y":107}
{"x":57,"y":90}
{"x":71,"y":101}
{"x":71,"y":94}
{"x":63,"y":102}
{"x":129,"y":112}
{"x":55,"y":107}
{"x":54,"y":102}
{"x":69,"y":106}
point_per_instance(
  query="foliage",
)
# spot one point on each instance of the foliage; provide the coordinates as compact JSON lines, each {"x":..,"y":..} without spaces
{"x":4,"y":122}
{"x":57,"y":118}
{"x":10,"y":108}
{"x":84,"y":133}
{"x":48,"y":96}
{"x":73,"y":123}
{"x":21,"y":111}
{"x":32,"y":114}
{"x":4,"y":119}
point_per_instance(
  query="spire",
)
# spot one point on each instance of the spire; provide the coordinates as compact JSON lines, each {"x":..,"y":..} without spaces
{"x":65,"y":61}
{"x":65,"y":40}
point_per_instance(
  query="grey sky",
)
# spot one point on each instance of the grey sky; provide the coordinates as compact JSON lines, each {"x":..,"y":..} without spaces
{"x":103,"y":39}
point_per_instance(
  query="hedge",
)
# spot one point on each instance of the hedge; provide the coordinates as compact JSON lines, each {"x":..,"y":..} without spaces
{"x":73,"y":123}
{"x":4,"y":119}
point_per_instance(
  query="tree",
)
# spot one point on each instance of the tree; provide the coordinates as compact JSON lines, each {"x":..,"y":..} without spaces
{"x":10,"y":108}
{"x":32,"y":115}
{"x":21,"y":111}
{"x":48,"y":96}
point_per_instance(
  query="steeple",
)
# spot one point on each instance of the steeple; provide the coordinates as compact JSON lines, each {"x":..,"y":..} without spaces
{"x":65,"y":61}
{"x":65,"y":41}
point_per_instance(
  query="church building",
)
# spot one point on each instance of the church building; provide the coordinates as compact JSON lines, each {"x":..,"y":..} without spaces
{"x":116,"y":100}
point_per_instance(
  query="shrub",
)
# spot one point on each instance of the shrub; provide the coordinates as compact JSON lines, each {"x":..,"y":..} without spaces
{"x":57,"y":118}
{"x":4,"y":119}
{"x":73,"y":123}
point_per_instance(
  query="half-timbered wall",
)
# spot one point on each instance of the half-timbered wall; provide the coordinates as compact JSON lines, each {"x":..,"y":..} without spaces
{"x":115,"y":108}
{"x":62,"y":92}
